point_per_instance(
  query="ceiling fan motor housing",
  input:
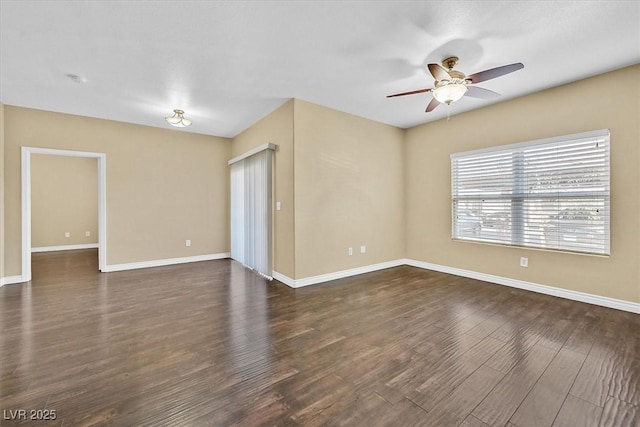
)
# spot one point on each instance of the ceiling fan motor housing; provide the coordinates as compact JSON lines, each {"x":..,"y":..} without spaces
{"x":449,"y":63}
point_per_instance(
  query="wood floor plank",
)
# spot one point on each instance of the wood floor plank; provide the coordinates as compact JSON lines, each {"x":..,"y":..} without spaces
{"x":617,"y":413}
{"x":211,"y":344}
{"x":458,"y":405}
{"x":625,"y":382}
{"x":452,"y":372}
{"x":582,"y":337}
{"x":405,"y":413}
{"x":364,"y":411}
{"x":488,"y":326}
{"x":578,"y":412}
{"x":502,"y":402}
{"x":544,"y":401}
{"x":472,"y":421}
{"x":594,"y":379}
{"x":513,"y":352}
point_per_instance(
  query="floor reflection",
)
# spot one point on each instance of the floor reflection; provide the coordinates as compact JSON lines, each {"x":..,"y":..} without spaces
{"x":26,"y":342}
{"x":249,"y":352}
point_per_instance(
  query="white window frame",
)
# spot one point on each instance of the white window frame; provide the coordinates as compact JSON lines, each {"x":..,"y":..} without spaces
{"x":517,"y":194}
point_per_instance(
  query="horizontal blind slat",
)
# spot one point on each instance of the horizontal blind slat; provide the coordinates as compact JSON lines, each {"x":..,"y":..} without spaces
{"x":552,"y":196}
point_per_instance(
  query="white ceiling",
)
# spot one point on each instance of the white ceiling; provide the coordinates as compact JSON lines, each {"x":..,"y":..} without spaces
{"x":229,"y":63}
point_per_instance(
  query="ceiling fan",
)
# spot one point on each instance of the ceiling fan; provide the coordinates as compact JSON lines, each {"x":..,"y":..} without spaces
{"x":451,"y":85}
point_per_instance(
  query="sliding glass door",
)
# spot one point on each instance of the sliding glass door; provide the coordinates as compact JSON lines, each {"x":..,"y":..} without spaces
{"x":251,"y":211}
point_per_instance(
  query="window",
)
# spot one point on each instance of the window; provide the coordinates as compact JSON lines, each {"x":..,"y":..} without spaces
{"x":551,"y":193}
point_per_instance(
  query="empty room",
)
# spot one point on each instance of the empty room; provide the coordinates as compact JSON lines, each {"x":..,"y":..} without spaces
{"x":320,"y":213}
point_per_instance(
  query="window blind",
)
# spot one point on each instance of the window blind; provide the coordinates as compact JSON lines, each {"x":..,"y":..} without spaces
{"x":551,"y":193}
{"x":251,"y":211}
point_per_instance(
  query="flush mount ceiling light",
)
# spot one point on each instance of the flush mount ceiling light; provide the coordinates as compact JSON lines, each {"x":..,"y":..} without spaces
{"x":178,"y":119}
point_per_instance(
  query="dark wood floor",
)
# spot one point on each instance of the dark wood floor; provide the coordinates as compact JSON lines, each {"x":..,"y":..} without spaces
{"x":212,"y":344}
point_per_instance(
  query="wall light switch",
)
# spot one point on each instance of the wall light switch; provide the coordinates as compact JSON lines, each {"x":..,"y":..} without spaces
{"x":187,"y":243}
{"x":350,"y":251}
{"x":524,"y":262}
{"x":87,"y":234}
{"x":67,"y":234}
{"x":363,"y":249}
{"x":278,"y":206}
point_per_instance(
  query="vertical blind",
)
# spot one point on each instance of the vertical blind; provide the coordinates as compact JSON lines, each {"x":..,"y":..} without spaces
{"x":251,"y":199}
{"x":551,"y":193}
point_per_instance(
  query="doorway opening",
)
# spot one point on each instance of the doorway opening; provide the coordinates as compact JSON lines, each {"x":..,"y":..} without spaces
{"x":27,"y":153}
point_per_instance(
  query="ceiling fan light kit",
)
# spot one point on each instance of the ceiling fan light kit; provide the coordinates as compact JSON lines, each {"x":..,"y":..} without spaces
{"x":451,"y":85}
{"x":449,"y":92}
{"x":178,"y":120}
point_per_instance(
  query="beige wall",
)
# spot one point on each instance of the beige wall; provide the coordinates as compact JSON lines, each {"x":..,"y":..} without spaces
{"x":163,"y":186}
{"x":343,"y":181}
{"x":572,"y":108}
{"x":348,"y":190}
{"x":339,"y":180}
{"x":64,"y":198}
{"x":277,"y":128}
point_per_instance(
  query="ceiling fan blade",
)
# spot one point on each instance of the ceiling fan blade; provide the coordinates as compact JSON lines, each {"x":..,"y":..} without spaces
{"x":494,"y":72}
{"x":438,"y":72}
{"x":482,"y":93}
{"x":410,"y":93}
{"x":432,"y":105}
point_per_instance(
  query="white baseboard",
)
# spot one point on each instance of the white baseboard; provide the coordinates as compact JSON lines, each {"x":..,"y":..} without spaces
{"x":284,"y":279}
{"x":618,"y":304}
{"x":65,"y":247}
{"x":534,"y":287}
{"x":163,"y":262}
{"x":298,"y":283}
{"x":10,"y":280}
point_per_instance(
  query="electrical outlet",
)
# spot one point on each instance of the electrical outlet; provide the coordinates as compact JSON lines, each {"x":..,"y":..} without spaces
{"x":363,"y":249}
{"x":187,"y":243}
{"x":67,"y":234}
{"x":350,"y":251}
{"x":524,"y":262}
{"x":278,"y":206}
{"x":87,"y":234}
